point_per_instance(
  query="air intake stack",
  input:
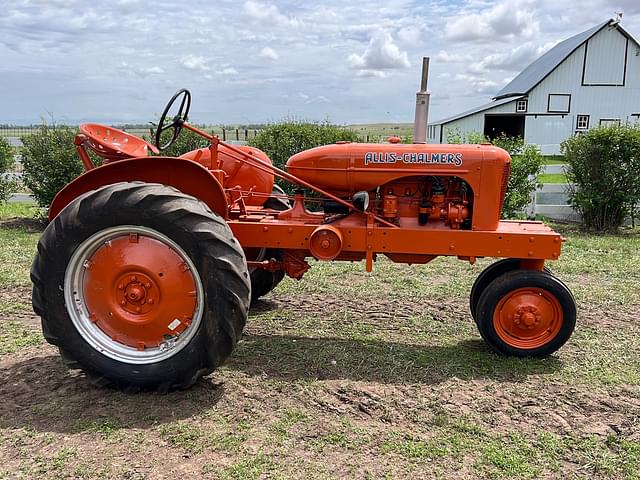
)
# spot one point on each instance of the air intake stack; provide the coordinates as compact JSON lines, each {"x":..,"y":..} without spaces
{"x":422,"y":106}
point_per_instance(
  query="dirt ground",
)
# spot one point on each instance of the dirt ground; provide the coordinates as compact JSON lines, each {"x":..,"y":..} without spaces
{"x":345,"y":375}
{"x":336,"y":387}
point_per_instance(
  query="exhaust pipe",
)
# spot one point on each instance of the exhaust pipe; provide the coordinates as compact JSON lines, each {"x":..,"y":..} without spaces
{"x":422,"y":106}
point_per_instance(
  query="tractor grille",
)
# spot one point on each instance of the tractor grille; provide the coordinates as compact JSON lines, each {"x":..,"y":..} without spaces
{"x":505,"y":183}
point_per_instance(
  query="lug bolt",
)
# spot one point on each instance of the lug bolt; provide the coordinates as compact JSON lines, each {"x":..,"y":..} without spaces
{"x":147,"y":285}
{"x":150,"y":301}
{"x":138,"y":309}
{"x":123,"y":302}
{"x":121,"y":287}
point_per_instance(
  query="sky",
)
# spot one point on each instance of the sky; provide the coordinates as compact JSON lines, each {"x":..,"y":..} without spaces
{"x":257,"y":61}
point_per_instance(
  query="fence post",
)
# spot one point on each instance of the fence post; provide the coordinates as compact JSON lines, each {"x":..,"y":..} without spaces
{"x":224,"y":135}
{"x":237,"y":134}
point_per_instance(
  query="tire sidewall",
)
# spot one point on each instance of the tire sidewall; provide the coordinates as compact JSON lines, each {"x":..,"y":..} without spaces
{"x":197,"y":352}
{"x":514,"y":280}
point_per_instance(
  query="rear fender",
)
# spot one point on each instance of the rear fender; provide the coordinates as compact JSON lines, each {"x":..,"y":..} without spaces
{"x":185,"y":175}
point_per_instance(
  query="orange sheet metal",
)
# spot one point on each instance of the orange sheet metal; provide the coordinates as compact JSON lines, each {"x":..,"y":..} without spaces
{"x":514,"y":239}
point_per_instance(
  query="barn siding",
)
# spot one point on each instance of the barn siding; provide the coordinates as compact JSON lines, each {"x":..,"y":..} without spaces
{"x":473,"y":123}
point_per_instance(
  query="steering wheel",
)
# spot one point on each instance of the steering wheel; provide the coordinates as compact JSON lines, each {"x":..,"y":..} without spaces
{"x":178,"y":119}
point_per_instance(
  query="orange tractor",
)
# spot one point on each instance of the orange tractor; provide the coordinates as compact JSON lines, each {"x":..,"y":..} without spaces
{"x":145,"y":273}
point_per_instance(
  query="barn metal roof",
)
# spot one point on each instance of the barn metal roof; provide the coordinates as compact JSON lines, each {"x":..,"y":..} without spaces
{"x":543,"y":66}
{"x":531,"y":76}
{"x":486,"y":106}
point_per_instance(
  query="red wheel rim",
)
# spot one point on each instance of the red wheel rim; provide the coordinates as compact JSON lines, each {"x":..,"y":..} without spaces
{"x":139,"y":290}
{"x":133,"y":294}
{"x":528,"y":318}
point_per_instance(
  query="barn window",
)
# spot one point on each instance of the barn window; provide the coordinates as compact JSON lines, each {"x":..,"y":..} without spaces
{"x":607,"y":122}
{"x":521,"y":105}
{"x":559,"y":103}
{"x":582,"y":122}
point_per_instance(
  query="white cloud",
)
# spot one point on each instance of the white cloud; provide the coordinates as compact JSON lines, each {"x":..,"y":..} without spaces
{"x":139,"y":71}
{"x":228,"y":71}
{"x":270,"y":53}
{"x":515,"y":59}
{"x":268,"y":13}
{"x":52,"y":55}
{"x":381,"y":54}
{"x":479,"y":83}
{"x":508,"y":19}
{"x":195,"y":62}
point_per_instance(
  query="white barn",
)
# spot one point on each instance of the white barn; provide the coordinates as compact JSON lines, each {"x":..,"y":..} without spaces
{"x":590,"y":79}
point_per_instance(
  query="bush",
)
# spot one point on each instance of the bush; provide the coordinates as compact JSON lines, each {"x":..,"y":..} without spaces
{"x":526,"y":165}
{"x":7,"y":185}
{"x":282,"y":140}
{"x":50,"y":161}
{"x":604,"y":170}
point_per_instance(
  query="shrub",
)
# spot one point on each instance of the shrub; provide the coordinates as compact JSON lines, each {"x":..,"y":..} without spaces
{"x":282,"y":140}
{"x":604,"y":171}
{"x":7,"y":185}
{"x":50,"y":161}
{"x":526,"y":165}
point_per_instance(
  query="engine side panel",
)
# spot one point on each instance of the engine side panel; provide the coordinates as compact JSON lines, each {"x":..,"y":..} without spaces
{"x":347,"y":168}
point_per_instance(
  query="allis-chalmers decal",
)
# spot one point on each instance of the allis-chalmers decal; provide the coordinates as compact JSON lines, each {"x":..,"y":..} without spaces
{"x":424,"y":158}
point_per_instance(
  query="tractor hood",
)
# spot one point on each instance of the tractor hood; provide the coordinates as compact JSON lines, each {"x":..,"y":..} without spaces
{"x":350,"y":167}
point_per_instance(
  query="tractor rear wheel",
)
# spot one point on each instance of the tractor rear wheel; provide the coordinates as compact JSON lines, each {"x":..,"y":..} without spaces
{"x":526,"y":313}
{"x":488,"y":275}
{"x":141,"y":286}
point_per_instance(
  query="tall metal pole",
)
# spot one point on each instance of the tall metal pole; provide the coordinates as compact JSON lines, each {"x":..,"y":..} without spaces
{"x":422,"y":106}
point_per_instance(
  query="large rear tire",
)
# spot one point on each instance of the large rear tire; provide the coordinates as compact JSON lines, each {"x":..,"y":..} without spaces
{"x":141,"y":286}
{"x":526,"y":313}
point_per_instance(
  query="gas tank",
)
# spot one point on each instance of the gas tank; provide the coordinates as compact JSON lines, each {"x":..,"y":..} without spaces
{"x":350,"y":167}
{"x":238,"y":173}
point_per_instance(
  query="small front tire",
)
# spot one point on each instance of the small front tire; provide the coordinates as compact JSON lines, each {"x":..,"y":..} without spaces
{"x":526,"y":313}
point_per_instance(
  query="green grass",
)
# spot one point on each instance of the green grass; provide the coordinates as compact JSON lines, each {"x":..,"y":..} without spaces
{"x":554,"y":160}
{"x":552,"y":178}
{"x":14,"y":336}
{"x":26,"y":210}
{"x":349,"y":368}
{"x":513,"y":455}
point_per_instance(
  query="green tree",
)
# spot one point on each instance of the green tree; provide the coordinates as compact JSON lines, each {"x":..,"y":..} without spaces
{"x":604,"y":171}
{"x":7,"y":185}
{"x":282,"y":140}
{"x":50,"y":161}
{"x":526,"y":165}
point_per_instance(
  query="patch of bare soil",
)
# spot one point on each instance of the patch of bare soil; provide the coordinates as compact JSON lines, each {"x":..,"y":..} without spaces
{"x":368,"y":309}
{"x":19,"y":295}
{"x":32,"y":225}
{"x":295,"y":408}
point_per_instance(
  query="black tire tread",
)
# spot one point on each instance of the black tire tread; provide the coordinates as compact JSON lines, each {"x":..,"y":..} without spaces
{"x":218,"y":247}
{"x":520,"y":279}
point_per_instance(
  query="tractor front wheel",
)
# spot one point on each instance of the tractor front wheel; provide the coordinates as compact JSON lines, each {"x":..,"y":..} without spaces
{"x":141,"y":286}
{"x":526,"y":313}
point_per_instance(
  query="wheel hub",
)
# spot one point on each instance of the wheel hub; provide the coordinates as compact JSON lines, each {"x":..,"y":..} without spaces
{"x":133,"y":290}
{"x":528,"y":318}
{"x":137,"y":293}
